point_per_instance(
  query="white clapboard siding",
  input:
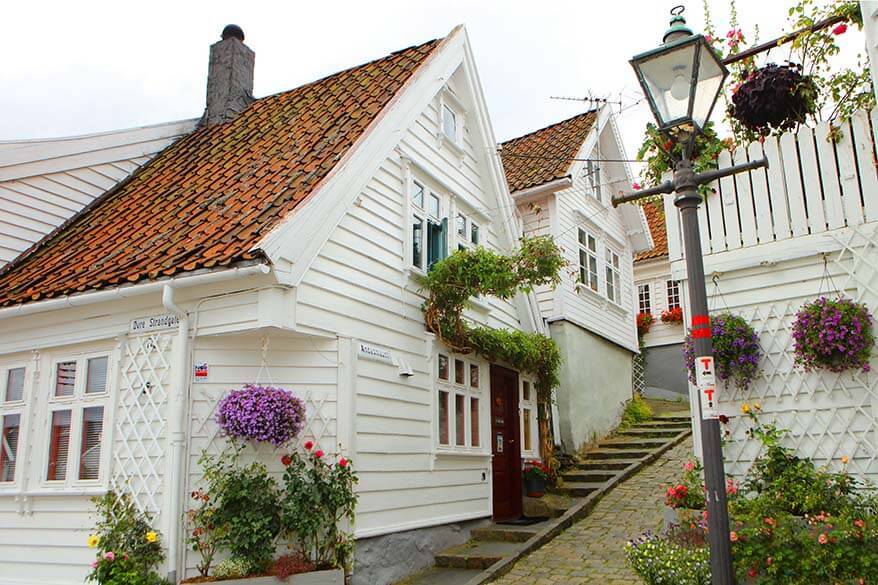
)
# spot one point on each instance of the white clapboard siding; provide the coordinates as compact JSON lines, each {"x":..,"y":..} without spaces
{"x":44,"y":182}
{"x":812,"y":186}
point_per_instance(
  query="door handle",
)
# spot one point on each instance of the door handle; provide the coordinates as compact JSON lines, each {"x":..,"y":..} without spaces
{"x":511,"y":441}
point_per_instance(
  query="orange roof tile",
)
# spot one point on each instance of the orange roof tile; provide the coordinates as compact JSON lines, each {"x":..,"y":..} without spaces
{"x":655,"y":218}
{"x":206,"y":200}
{"x":546,"y":154}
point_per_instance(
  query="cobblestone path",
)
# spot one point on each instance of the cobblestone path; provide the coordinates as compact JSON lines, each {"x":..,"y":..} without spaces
{"x":591,"y":552}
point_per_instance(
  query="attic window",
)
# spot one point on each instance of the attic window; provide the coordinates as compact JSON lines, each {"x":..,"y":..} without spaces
{"x":449,"y":123}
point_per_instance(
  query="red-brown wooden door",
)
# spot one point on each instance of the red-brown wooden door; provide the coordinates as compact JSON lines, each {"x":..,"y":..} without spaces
{"x":505,"y":444}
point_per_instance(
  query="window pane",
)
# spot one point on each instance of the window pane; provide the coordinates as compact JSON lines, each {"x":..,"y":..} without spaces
{"x":418,"y":194}
{"x":611,"y":290}
{"x":96,"y":380}
{"x":593,"y":273}
{"x":460,"y":419}
{"x":437,"y":241}
{"x":644,"y":301}
{"x":417,"y":242}
{"x":459,"y":372}
{"x":592,"y":244}
{"x":449,"y":123}
{"x":443,"y":367}
{"x":14,"y":384}
{"x":443,"y":417}
{"x":474,"y":376}
{"x":90,"y":446}
{"x":59,"y":445}
{"x":434,"y":206}
{"x":525,"y":390}
{"x":474,"y":234}
{"x":461,"y":225}
{"x":582,"y":237}
{"x":474,"y":421}
{"x":526,"y":429}
{"x":9,"y":446}
{"x":65,"y":376}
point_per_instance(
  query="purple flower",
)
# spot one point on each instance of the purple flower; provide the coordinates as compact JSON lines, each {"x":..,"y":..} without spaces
{"x":261,"y":413}
{"x":736,"y":350}
{"x":834,"y":335}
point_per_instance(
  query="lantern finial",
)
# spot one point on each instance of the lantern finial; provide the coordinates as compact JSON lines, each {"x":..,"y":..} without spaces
{"x":678,"y":28}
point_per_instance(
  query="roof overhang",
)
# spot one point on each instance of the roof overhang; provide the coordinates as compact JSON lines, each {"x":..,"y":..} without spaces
{"x":539,"y":191}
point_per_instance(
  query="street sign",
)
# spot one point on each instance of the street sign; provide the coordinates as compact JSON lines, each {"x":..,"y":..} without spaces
{"x":705,"y":380}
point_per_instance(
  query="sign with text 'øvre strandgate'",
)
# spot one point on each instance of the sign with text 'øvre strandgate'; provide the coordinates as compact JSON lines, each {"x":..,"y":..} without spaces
{"x":374,"y":353}
{"x":705,"y":380}
{"x":154,"y":323}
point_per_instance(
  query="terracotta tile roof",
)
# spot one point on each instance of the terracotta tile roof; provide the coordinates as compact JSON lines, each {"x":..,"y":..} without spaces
{"x":546,"y":154}
{"x":655,"y":218}
{"x":206,"y":200}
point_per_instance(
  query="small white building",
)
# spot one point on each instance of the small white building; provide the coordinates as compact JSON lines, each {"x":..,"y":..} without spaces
{"x":562,"y":178}
{"x":659,"y":373}
{"x":279,"y":241}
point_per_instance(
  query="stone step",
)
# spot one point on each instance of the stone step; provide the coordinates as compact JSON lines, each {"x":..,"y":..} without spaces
{"x":632,"y":443}
{"x":507,"y":532}
{"x":551,"y":505}
{"x":441,"y":576}
{"x":648,"y":433}
{"x":606,"y":464}
{"x":673,"y":416}
{"x":658,"y":424}
{"x":616,"y":454}
{"x":578,"y":489}
{"x":475,"y":554}
{"x":588,"y":475}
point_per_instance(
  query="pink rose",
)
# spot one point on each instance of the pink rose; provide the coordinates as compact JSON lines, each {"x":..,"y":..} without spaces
{"x":636,"y":186}
{"x":110,"y":555}
{"x":822,"y":539}
{"x":94,"y":564}
{"x":688,"y":466}
{"x":342,"y":462}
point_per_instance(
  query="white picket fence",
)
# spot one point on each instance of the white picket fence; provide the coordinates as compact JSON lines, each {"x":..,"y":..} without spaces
{"x":811,"y":186}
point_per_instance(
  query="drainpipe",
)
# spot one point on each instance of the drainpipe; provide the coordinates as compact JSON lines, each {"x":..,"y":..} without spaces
{"x":178,"y":400}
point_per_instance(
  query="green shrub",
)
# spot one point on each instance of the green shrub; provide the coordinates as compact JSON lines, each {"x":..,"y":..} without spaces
{"x":662,"y":562}
{"x":233,"y":568}
{"x":636,"y":411}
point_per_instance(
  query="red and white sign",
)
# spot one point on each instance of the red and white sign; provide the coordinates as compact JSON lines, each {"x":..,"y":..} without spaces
{"x":201,"y":372}
{"x":705,"y":380}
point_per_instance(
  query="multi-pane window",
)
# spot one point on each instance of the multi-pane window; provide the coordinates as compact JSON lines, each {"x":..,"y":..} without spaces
{"x":429,"y":234}
{"x":76,"y":410}
{"x":12,"y":401}
{"x":612,"y":276}
{"x":467,"y":232}
{"x":459,"y":398}
{"x":588,"y":260}
{"x":644,"y":302}
{"x":528,"y":416}
{"x":673,"y":294}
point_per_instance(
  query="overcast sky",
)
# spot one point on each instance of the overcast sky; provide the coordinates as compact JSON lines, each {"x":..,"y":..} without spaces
{"x":87,"y":66}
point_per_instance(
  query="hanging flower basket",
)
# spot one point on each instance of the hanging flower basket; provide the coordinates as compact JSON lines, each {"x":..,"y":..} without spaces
{"x":261,"y":413}
{"x":834,"y":335}
{"x":674,"y":315}
{"x":736,"y":351}
{"x":774,"y":98}
{"x":644,"y":322}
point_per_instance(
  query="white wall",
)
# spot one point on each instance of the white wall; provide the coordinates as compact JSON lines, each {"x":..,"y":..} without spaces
{"x":656,"y":273}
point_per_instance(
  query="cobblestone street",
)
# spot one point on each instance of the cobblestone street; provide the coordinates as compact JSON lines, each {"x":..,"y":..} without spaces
{"x":591,"y":551}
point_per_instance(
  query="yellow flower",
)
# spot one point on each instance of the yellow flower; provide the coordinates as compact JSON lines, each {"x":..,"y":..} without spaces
{"x":151,"y":536}
{"x":745,"y":408}
{"x":844,"y":459}
{"x":93,"y":540}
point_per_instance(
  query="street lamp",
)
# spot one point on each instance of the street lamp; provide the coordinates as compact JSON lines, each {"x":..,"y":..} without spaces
{"x":682,"y":80}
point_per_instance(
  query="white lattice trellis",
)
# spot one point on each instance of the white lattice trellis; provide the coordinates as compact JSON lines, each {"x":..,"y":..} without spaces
{"x":141,"y":420}
{"x":638,"y":372}
{"x":828,"y":415}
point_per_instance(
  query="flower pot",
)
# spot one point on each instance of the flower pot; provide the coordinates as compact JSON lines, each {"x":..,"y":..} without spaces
{"x":535,"y":487}
{"x":332,"y":577}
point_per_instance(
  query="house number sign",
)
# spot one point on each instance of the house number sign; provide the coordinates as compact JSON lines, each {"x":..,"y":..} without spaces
{"x":705,"y":380}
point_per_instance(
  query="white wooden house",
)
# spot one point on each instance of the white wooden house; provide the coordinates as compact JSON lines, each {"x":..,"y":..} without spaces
{"x":44,"y":182}
{"x":562,"y":178}
{"x":280,"y":241}
{"x":657,"y":372}
{"x":774,"y":239}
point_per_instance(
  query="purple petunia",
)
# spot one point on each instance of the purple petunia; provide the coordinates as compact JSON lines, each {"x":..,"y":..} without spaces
{"x":736,"y":350}
{"x":833,"y":334}
{"x":261,"y":413}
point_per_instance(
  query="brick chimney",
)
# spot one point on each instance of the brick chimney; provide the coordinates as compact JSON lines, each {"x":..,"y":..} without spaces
{"x":229,"y":77}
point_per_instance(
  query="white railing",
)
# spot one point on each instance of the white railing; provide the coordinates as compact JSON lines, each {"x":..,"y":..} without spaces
{"x":812,"y":185}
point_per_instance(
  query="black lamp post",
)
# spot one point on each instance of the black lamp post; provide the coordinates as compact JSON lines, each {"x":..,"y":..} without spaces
{"x":682,"y":80}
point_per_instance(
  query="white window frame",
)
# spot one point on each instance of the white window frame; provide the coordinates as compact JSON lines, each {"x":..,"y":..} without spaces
{"x":644,"y":293}
{"x":593,"y":175}
{"x":528,"y":408}
{"x":453,"y":389}
{"x":613,"y":270}
{"x":21,"y":408}
{"x":675,"y":284}
{"x":447,"y":99}
{"x":590,"y":255}
{"x":76,"y":404}
{"x":424,"y":214}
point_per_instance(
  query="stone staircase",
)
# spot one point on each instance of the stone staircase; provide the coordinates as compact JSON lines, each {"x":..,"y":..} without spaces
{"x":492,"y":549}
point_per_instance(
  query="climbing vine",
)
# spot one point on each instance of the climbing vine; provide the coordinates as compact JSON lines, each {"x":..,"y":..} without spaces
{"x":465,"y":274}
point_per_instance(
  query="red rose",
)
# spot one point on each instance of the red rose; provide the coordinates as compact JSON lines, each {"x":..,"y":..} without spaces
{"x":308,"y":445}
{"x":342,"y":462}
{"x":286,"y":460}
{"x":840,"y":29}
{"x":318,"y":453}
{"x":751,"y":572}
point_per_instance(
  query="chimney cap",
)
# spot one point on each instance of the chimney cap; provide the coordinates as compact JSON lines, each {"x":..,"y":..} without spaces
{"x":233,"y":30}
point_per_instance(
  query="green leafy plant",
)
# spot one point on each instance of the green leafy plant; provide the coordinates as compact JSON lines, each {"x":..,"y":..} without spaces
{"x":661,"y":154}
{"x":536,"y":470}
{"x":318,"y":497}
{"x":659,"y":561}
{"x":465,"y":274}
{"x":246,"y":513}
{"x":205,"y":534}
{"x":125,"y":540}
{"x":636,"y":410}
